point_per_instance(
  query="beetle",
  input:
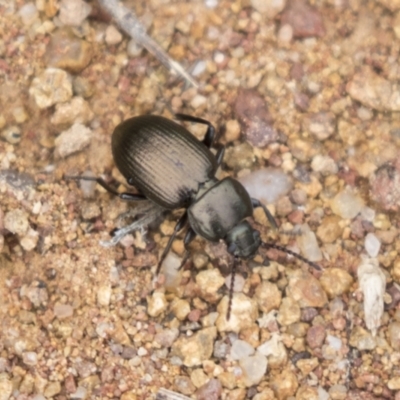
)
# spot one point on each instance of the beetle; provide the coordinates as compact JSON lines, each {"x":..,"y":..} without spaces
{"x":172,"y":168}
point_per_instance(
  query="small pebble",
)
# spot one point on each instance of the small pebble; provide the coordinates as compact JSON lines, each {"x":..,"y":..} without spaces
{"x":194,"y":350}
{"x":324,"y":164}
{"x":209,"y":283}
{"x":104,"y":295}
{"x":372,"y":245}
{"x":232,"y":132}
{"x":284,"y":385}
{"x":29,"y":358}
{"x":268,"y":296}
{"x":289,"y":312}
{"x":72,"y":140}
{"x":51,"y":87}
{"x":156,"y":304}
{"x":29,"y":241}
{"x":75,"y":111}
{"x":254,"y":367}
{"x":16,"y":221}
{"x":113,"y":36}
{"x":336,"y":281}
{"x":347,"y":204}
{"x":212,"y":390}
{"x":267,"y":185}
{"x":28,"y":14}
{"x":73,"y":12}
{"x":63,"y":311}
{"x":184,"y":385}
{"x":241,"y":349}
{"x":308,"y":244}
{"x":305,"y":289}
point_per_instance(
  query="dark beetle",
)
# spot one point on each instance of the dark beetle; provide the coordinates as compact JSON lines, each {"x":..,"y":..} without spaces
{"x":170,"y":167}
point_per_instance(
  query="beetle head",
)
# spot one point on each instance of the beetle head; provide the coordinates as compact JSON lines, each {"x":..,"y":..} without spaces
{"x":242,"y":240}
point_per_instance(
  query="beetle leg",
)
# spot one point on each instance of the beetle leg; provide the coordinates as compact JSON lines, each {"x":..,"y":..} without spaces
{"x":257,"y":203}
{"x":189,"y":236}
{"x":220,"y":155}
{"x":103,"y":184}
{"x":233,"y":273}
{"x":210,"y":134}
{"x":179,"y":225}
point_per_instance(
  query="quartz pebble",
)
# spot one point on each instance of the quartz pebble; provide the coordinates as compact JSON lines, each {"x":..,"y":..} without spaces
{"x":51,"y":87}
{"x":372,"y":283}
{"x":267,"y":185}
{"x":372,"y":245}
{"x":74,"y":12}
{"x":104,"y":295}
{"x":241,"y":349}
{"x":73,"y":140}
{"x":347,"y":204}
{"x":254,"y":367}
{"x":308,"y":244}
{"x":66,"y":51}
{"x":28,"y":13}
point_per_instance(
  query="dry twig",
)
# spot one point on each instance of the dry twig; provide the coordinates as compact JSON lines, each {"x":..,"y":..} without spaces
{"x":130,"y":24}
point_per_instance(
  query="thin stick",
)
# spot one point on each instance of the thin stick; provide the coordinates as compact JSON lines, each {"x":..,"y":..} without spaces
{"x":129,"y":23}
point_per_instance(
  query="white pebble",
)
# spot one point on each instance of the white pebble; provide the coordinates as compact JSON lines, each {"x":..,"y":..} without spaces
{"x":347,"y":204}
{"x":134,"y":49}
{"x":28,"y":14}
{"x":142,"y":352}
{"x":372,"y":245}
{"x":334,"y":342}
{"x":267,"y":184}
{"x":113,"y":36}
{"x":308,"y":244}
{"x":241,"y":349}
{"x":198,"y":101}
{"x":72,"y":140}
{"x":16,"y":221}
{"x":104,"y":295}
{"x":324,"y":164}
{"x":372,"y":283}
{"x":74,"y":12}
{"x":285,"y":33}
{"x":253,"y":367}
{"x":238,"y":284}
{"x":199,"y":68}
{"x":29,"y":358}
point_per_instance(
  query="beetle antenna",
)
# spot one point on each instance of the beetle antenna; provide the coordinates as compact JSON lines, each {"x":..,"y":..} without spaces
{"x":292,"y":253}
{"x":233,"y":273}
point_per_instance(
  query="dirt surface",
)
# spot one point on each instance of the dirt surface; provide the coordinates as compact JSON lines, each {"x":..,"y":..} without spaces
{"x":309,"y":89}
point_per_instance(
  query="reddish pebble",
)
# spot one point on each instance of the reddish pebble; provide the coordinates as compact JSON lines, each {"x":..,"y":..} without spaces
{"x":316,"y":336}
{"x":304,"y":19}
{"x":212,"y":390}
{"x":194,"y":315}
